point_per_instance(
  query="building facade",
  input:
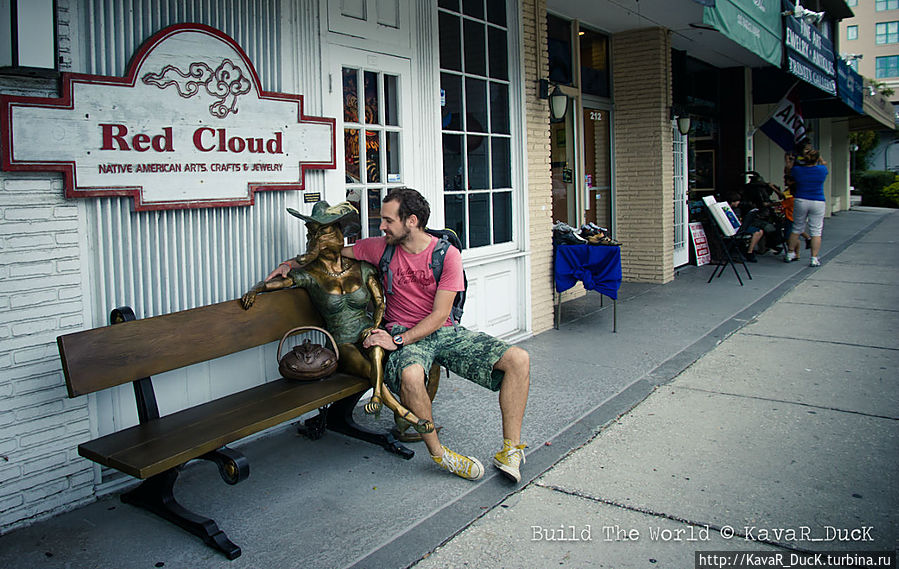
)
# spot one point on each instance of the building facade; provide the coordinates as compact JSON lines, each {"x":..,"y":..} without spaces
{"x":447,"y":96}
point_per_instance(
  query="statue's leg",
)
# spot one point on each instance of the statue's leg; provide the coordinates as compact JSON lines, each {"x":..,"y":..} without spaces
{"x":354,"y":362}
{"x":376,"y":356}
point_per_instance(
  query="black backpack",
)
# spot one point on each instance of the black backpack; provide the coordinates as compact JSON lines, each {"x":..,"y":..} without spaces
{"x":445,"y":238}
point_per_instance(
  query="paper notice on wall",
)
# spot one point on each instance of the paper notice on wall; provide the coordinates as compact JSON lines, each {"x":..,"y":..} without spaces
{"x":700,"y":244}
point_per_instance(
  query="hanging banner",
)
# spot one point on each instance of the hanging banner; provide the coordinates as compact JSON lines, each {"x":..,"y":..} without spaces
{"x":187,"y":126}
{"x":754,"y":24}
{"x":850,"y":87}
{"x":809,"y":54}
{"x":786,"y":126}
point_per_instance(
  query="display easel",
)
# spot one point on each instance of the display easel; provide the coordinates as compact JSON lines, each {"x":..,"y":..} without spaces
{"x":728,"y":236}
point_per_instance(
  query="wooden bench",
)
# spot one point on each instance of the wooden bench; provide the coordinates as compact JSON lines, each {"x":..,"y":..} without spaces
{"x":155,"y":450}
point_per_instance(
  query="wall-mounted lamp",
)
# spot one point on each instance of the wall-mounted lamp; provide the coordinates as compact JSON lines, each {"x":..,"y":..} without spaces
{"x":683,"y":121}
{"x":558,"y":101}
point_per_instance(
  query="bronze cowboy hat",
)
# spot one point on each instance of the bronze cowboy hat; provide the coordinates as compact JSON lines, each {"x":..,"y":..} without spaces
{"x":344,"y":214}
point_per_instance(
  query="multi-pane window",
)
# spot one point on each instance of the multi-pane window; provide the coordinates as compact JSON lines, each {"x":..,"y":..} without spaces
{"x":886,"y":32}
{"x":887,"y":66}
{"x":372,"y":136}
{"x":881,"y":5}
{"x":851,"y":32}
{"x":853,"y":64}
{"x":475,"y":112}
{"x":852,"y":3}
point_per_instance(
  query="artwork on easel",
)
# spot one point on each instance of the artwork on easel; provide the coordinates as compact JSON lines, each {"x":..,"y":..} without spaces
{"x":724,"y":216}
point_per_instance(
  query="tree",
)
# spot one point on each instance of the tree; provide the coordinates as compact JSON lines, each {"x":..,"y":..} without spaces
{"x":865,"y":141}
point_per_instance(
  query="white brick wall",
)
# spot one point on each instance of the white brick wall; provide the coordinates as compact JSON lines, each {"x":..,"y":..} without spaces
{"x":40,"y":298}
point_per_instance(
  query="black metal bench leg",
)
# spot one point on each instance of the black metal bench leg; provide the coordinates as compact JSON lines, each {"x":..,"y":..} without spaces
{"x":155,"y":494}
{"x":340,"y":419}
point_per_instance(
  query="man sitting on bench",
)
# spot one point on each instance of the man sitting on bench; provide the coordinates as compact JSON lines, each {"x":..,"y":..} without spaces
{"x":419,"y":331}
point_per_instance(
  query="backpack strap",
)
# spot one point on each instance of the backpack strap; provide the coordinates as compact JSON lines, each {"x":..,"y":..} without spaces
{"x":384,"y":268}
{"x":437,"y":258}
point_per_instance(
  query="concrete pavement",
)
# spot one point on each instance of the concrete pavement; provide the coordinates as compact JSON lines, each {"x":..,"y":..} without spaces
{"x":711,"y":406}
{"x":791,"y":423}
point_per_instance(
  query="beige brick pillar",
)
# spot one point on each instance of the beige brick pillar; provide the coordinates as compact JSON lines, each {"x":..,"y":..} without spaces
{"x":644,"y":168}
{"x":539,"y":182}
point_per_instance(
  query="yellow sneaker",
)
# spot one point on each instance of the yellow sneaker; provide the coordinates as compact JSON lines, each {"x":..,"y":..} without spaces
{"x":467,"y":467}
{"x":510,"y":459}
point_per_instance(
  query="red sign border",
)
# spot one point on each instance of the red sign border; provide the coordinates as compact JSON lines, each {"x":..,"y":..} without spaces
{"x":66,"y":101}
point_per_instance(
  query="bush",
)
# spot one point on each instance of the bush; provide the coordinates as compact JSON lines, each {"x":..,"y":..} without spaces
{"x":890,"y":195}
{"x":871,"y":184}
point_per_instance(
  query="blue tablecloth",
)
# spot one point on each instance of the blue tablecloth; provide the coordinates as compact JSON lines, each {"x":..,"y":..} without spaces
{"x":597,"y":266}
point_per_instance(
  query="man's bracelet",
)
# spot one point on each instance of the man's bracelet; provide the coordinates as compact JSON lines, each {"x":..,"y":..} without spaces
{"x":284,"y":263}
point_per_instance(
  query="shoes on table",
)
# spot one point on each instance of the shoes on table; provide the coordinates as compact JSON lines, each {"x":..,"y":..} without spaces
{"x":510,"y":459}
{"x":467,"y":467}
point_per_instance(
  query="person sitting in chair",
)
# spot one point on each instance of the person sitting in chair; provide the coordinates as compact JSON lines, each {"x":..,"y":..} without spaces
{"x":755,"y":233}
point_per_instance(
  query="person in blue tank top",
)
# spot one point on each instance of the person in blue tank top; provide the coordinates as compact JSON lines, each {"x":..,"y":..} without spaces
{"x":809,"y":171}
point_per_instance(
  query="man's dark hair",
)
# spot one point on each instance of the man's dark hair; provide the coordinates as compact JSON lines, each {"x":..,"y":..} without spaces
{"x":411,"y":202}
{"x":733,"y":196}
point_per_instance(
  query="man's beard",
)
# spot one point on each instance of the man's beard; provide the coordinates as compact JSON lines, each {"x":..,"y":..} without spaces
{"x":397,"y":239}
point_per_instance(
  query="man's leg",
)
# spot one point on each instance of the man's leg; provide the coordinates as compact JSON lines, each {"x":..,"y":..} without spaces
{"x":513,"y":392}
{"x":515,"y":364}
{"x":414,"y":395}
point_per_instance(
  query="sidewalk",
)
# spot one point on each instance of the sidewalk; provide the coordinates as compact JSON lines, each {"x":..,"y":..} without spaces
{"x":777,"y":425}
{"x":792,"y":423}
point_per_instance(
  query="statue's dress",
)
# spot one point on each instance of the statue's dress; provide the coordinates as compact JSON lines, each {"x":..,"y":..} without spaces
{"x":345,"y":315}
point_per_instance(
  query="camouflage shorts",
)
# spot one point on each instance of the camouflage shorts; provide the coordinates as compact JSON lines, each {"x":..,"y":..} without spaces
{"x":469,"y":354}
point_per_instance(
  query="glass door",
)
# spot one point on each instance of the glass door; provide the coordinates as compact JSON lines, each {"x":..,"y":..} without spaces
{"x":681,"y":210}
{"x":373,"y":110}
{"x":562,"y":163}
{"x":598,"y":166}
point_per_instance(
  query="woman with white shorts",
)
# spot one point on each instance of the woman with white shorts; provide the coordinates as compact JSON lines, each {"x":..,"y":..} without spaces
{"x":809,"y":171}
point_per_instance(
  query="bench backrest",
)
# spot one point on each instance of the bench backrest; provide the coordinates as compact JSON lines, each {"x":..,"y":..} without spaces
{"x":96,"y":359}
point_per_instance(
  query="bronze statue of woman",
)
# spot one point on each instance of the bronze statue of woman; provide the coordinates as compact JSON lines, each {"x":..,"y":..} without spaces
{"x":341,"y":290}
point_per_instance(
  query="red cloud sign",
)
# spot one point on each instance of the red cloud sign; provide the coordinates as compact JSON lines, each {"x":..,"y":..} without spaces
{"x":188,"y":126}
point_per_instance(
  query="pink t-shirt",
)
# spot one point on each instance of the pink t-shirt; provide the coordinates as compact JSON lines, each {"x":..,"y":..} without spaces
{"x":414,"y":288}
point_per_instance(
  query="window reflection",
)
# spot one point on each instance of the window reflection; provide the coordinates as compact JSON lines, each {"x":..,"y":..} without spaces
{"x":452,"y":163}
{"x":502,"y":217}
{"x":455,"y":215}
{"x":594,"y":63}
{"x":477,"y":163}
{"x":479,"y":216}
{"x":371,"y":98}
{"x":351,"y":152}
{"x":391,"y":101}
{"x":350,"y":95}
{"x":502,"y":163}
{"x":475,"y":50}
{"x":452,"y":105}
{"x":476,"y":105}
{"x":373,"y":156}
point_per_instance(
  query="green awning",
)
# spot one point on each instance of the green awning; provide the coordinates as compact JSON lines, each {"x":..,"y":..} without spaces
{"x":754,"y":24}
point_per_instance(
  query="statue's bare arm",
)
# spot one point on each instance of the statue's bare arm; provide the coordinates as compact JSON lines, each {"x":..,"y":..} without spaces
{"x":276,"y":283}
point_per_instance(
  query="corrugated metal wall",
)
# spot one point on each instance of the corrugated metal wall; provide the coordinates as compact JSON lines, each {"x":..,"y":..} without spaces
{"x":159,"y":262}
{"x":165,"y":261}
